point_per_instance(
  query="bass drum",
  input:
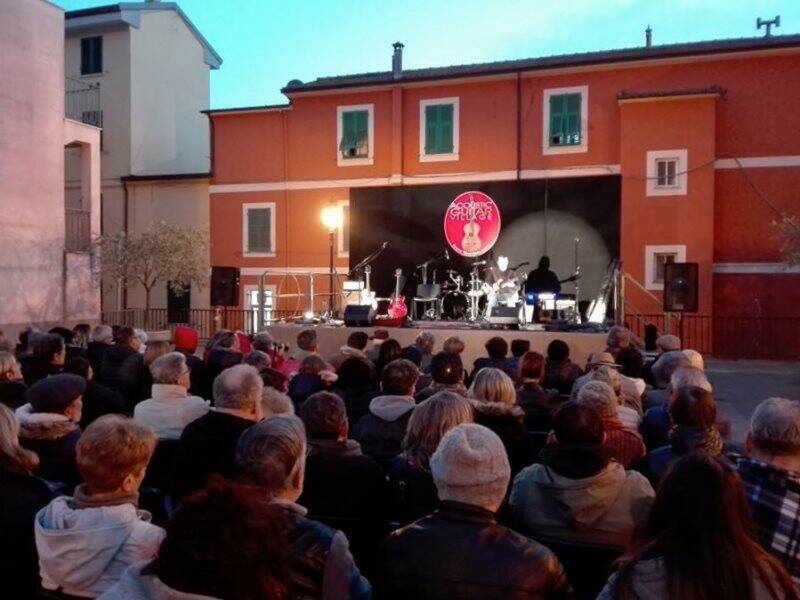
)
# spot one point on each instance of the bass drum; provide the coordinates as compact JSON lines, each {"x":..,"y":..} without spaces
{"x":454,"y":306}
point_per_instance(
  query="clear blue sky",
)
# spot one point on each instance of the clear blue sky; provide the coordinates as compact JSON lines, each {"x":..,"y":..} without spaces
{"x":265,"y":43}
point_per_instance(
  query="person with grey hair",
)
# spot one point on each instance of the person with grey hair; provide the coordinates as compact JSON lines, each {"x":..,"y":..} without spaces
{"x":207,"y":445}
{"x":272,"y":456}
{"x":770,"y":470}
{"x":274,"y":402}
{"x":170,"y":408}
{"x":263,"y":341}
{"x":629,"y":394}
{"x":618,"y":337}
{"x":626,"y":444}
{"x":662,"y":370}
{"x":101,"y":339}
{"x":460,"y":550}
{"x":424,"y":343}
{"x":258,"y":359}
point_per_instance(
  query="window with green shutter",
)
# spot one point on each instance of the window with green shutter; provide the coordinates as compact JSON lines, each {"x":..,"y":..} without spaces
{"x":259,"y":229}
{"x":565,"y":119}
{"x":439,"y":129}
{"x":355,"y":134}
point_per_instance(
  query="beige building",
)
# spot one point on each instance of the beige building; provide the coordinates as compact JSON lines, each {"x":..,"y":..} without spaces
{"x":141,"y":71}
{"x":45,"y":264}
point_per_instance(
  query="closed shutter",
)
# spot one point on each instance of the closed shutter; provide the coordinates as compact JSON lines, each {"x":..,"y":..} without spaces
{"x":259,"y":235}
{"x":565,"y":119}
{"x":439,"y":129}
{"x":355,"y":134}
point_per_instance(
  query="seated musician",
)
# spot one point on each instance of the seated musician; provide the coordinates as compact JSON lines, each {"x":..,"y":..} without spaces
{"x":542,"y":279}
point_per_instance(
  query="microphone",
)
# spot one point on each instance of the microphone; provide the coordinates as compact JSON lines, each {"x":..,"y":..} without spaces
{"x":479,"y":263}
{"x":384,"y":245}
{"x":446,"y":254}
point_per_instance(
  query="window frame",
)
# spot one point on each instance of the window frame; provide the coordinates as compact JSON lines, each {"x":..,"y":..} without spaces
{"x":271,"y":289}
{"x":341,"y":252}
{"x":99,"y":70}
{"x":681,"y":158}
{"x":246,"y":207}
{"x":423,"y":129}
{"x":650,"y":252}
{"x":360,"y":161}
{"x":583,"y":90}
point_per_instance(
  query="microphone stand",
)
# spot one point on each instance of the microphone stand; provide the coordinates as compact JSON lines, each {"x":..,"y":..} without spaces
{"x":370,"y":258}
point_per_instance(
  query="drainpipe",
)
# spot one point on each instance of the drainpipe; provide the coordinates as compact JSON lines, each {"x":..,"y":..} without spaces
{"x":519,"y":125}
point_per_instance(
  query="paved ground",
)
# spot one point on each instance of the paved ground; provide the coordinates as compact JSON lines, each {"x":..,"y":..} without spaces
{"x":739,"y":385}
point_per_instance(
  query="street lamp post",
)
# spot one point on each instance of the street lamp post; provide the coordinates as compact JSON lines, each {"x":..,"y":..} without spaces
{"x":332,"y":218}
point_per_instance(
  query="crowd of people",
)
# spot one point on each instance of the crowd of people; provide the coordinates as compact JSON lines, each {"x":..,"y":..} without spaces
{"x":137,"y":467}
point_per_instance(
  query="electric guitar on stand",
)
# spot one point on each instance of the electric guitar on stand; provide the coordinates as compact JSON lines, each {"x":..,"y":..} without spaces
{"x":397,"y":311}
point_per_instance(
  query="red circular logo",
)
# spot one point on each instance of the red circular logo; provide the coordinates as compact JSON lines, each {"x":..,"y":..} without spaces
{"x":472,"y":224}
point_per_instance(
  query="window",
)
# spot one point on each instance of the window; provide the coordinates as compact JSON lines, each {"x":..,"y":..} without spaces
{"x":355,"y":135}
{"x":655,"y":259}
{"x":258,"y":233}
{"x":666,"y":172}
{"x":91,"y":55}
{"x":344,"y":230}
{"x":251,"y":303}
{"x":438,"y":135}
{"x":565,"y":120}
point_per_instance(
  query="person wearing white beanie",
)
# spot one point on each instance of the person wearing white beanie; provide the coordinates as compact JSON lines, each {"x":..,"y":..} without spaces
{"x":461,"y":551}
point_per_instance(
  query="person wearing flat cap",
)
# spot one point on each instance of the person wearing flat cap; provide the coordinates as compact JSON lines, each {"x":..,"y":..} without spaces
{"x":630,"y":395}
{"x":48,"y":425}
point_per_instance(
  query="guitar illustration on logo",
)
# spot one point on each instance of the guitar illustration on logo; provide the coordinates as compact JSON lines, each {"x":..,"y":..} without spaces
{"x":471,"y":242}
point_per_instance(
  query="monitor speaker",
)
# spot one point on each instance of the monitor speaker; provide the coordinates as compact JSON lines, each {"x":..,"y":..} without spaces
{"x":359,"y":315}
{"x":224,"y":286}
{"x":680,"y":287}
{"x":504,"y":315}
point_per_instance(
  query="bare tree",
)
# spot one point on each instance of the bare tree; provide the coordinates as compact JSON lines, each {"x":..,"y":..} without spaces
{"x":789,"y":234}
{"x":164,"y":253}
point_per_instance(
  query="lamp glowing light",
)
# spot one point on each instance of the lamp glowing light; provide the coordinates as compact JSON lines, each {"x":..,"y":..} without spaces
{"x":332,"y":217}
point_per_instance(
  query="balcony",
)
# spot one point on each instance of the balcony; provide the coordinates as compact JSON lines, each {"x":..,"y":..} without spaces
{"x":82,"y":102}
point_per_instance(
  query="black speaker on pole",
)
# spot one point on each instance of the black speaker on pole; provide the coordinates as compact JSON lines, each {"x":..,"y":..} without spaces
{"x":224,"y":286}
{"x":359,"y":315}
{"x":680,"y":287}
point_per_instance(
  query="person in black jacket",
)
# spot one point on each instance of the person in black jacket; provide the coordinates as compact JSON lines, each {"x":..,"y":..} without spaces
{"x":49,"y":354}
{"x":461,"y":551}
{"x":21,"y":497}
{"x":271,"y":455}
{"x":49,"y":425}
{"x":185,"y":339}
{"x":539,"y":404}
{"x":497,"y":350}
{"x":381,"y":431}
{"x":126,"y":344}
{"x":354,"y":385}
{"x":102,"y":339}
{"x":447,"y":373}
{"x":12,"y":386}
{"x":98,"y":400}
{"x":135,"y":372}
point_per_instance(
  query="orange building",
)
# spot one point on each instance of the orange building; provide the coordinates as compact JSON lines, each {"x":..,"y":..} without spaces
{"x":684,"y":152}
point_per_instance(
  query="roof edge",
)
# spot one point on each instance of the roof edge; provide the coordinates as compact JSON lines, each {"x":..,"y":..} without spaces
{"x":166,"y":177}
{"x":248,"y":109}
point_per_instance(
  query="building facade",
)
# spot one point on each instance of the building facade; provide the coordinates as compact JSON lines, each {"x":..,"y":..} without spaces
{"x":684,"y":146}
{"x":46,"y":269}
{"x":148,"y":67}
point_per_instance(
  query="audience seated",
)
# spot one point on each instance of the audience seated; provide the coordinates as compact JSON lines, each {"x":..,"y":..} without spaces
{"x":664,"y":343}
{"x":224,"y":352}
{"x":185,"y":339}
{"x":657,"y":421}
{"x":497,"y":350}
{"x":21,"y":496}
{"x":618,"y":338}
{"x":49,"y":354}
{"x":453,"y":345}
{"x":631,"y":362}
{"x":97,"y":399}
{"x":518,"y":349}
{"x":495,"y":406}
{"x":314,"y":376}
{"x":629,"y":394}
{"x":87,"y":540}
{"x":208,"y":444}
{"x":49,"y":425}
{"x":630,"y":417}
{"x":447,"y":373}
{"x":263,"y":341}
{"x":171,"y":408}
{"x":425,"y":342}
{"x":537,"y":403}
{"x":378,"y":337}
{"x":355,"y":348}
{"x":126,"y":344}
{"x":12,"y":386}
{"x":307,"y":345}
{"x":579,"y":492}
{"x":695,"y":359}
{"x":412,"y":354}
{"x":697,"y":542}
{"x":390,"y":351}
{"x":409,"y":473}
{"x":81,"y":335}
{"x":626,"y":444}
{"x":101,"y":340}
{"x":560,"y":372}
{"x":666,"y":364}
{"x":355,"y":387}
{"x":136,"y":375}
{"x":460,"y":551}
{"x":224,"y":542}
{"x":272,"y":455}
{"x":340,"y":481}
{"x":694,"y":418}
{"x":274,"y":402}
{"x":380,"y":432}
{"x":257,"y":359}
{"x":770,"y":470}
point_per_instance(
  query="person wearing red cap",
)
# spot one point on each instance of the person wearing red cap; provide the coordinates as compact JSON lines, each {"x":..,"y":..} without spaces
{"x":185,"y":340}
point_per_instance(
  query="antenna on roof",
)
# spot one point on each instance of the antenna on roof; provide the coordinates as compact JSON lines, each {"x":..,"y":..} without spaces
{"x":648,"y":37}
{"x":768,"y":23}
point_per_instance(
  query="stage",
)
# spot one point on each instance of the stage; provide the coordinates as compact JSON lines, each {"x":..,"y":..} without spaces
{"x":331,"y":338}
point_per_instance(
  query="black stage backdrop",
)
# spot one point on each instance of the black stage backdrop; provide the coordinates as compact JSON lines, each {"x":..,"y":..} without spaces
{"x":410,"y":218}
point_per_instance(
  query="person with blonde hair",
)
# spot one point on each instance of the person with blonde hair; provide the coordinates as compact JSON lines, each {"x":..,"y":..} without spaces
{"x":409,"y":473}
{"x":12,"y":386}
{"x":494,"y":400}
{"x":87,"y":540}
{"x":22,"y":495}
